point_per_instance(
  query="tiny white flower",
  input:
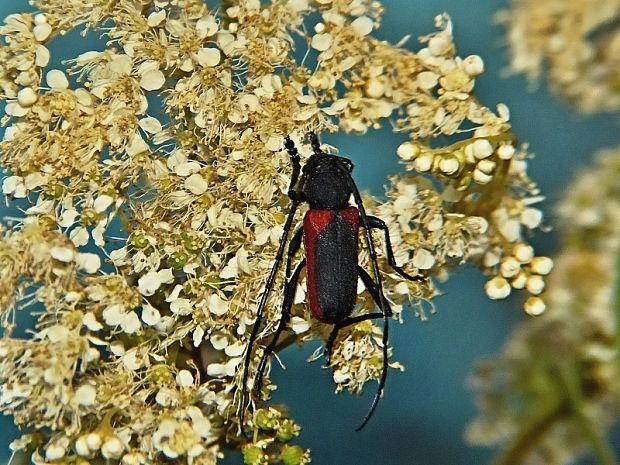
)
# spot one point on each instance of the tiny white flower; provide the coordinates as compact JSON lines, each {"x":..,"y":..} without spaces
{"x":40,"y":18}
{"x":27,"y":97}
{"x":482,"y":148}
{"x":42,"y":56}
{"x":150,"y":124}
{"x":340,"y":376}
{"x":321,"y":42}
{"x":236,"y":349}
{"x":473,"y":65}
{"x":176,"y":292}
{"x":523,"y":252}
{"x":79,"y":236}
{"x":423,"y":259}
{"x":219,"y":341}
{"x":535,"y":284}
{"x":505,"y":151}
{"x":15,"y":109}
{"x":427,"y":79}
{"x":497,"y":288}
{"x":55,"y":452}
{"x":299,"y":325}
{"x":90,"y":321}
{"x":130,"y":323}
{"x":42,"y":31}
{"x":152,"y":80}
{"x":81,"y":446}
{"x":534,"y":306}
{"x":362,"y":25}
{"x":112,"y":448}
{"x":541,"y":265}
{"x":510,"y":267}
{"x":208,"y":57}
{"x":102,"y":203}
{"x":89,"y":262}
{"x":449,"y":165}
{"x":150,"y":315}
{"x":113,"y":315}
{"x":200,"y":424}
{"x":491,"y":259}
{"x":131,"y":361}
{"x":196,"y":184}
{"x":151,"y":281}
{"x":217,"y":305}
{"x":85,"y":395}
{"x":216,"y":370}
{"x":62,"y":254}
{"x":230,"y":368}
{"x":56,"y":79}
{"x":402,"y":288}
{"x":519,"y":281}
{"x":156,"y":18}
{"x":531,"y":217}
{"x":185,"y":378}
{"x":407,"y":150}
{"x":14,"y":185}
{"x":181,"y":307}
{"x":424,"y":162}
{"x":206,"y":26}
{"x":94,"y":441}
{"x":198,"y":336}
{"x":486,"y":166}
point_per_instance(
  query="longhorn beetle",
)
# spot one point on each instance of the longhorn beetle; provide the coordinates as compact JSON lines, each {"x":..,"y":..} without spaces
{"x":330,"y":233}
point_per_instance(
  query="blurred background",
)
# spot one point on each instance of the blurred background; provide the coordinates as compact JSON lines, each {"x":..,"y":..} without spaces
{"x":425,"y":410}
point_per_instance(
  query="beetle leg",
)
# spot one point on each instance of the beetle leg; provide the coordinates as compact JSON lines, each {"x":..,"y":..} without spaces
{"x":343,"y":324}
{"x":289,"y":296}
{"x":374,"y":292}
{"x":378,"y":223}
{"x":386,"y":313}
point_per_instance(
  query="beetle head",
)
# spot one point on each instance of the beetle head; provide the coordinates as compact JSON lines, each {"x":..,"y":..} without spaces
{"x":328,"y":181}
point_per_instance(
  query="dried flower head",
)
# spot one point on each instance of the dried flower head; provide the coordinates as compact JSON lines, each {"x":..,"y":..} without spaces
{"x":576,"y":42}
{"x":153,"y":185}
{"x":555,"y":390}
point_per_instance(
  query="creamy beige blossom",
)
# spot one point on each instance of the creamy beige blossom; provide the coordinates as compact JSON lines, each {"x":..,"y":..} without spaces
{"x":154,"y":185}
{"x":577,"y":43}
{"x":554,"y":392}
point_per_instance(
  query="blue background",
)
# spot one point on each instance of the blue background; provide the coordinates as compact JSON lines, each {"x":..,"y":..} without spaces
{"x":425,"y":409}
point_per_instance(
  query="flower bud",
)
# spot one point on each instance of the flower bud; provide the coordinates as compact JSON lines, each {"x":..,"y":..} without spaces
{"x":497,"y":288}
{"x":534,"y":306}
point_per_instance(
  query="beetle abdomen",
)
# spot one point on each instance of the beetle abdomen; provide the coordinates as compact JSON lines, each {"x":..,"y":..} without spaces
{"x":330,"y":239}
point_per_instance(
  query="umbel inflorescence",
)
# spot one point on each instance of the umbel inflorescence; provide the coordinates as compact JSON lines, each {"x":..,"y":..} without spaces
{"x":555,"y":390}
{"x":576,"y":43}
{"x":152,"y":185}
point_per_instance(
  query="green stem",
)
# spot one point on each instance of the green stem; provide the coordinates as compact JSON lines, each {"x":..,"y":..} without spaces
{"x":592,"y":433}
{"x":531,"y":433}
{"x":616,"y":310}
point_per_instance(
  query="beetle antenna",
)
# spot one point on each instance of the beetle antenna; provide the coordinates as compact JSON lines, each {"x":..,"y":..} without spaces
{"x":296,"y":198}
{"x":316,"y":144}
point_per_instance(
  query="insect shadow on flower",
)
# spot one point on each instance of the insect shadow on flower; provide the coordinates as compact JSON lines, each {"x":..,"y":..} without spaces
{"x":330,"y":233}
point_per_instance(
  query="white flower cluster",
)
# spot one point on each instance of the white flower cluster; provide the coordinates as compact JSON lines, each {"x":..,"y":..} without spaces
{"x":554,"y":391}
{"x":577,"y":43}
{"x":153,"y":180}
